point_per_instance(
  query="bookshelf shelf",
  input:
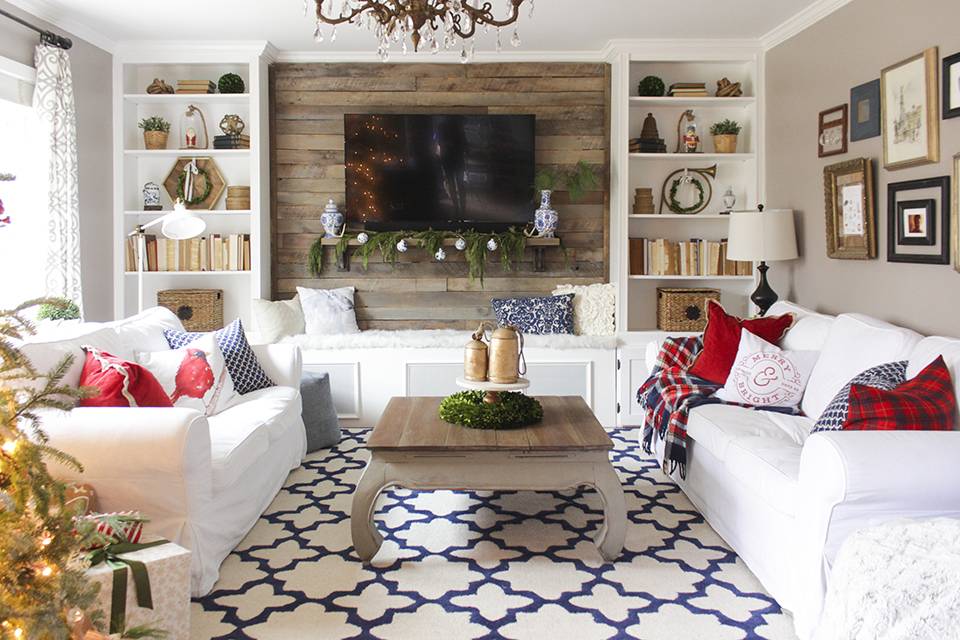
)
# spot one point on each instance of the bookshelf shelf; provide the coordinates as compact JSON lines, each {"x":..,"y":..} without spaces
{"x":215,"y":213}
{"x":189,"y":273}
{"x":647,"y":277}
{"x":678,"y":216}
{"x":186,"y":98}
{"x":694,"y":157}
{"x":708,"y":102}
{"x":188,"y":153}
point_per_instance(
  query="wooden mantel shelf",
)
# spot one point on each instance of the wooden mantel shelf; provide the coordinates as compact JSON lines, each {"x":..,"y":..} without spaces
{"x":537,"y":244}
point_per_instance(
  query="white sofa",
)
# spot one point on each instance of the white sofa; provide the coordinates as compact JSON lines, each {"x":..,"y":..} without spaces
{"x":203,"y":482}
{"x":785,"y":499}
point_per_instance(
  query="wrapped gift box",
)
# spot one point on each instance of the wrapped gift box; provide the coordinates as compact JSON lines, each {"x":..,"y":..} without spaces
{"x":168,"y":566}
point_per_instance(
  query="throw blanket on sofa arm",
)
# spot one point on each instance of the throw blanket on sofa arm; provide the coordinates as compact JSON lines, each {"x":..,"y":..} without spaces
{"x":668,"y":396}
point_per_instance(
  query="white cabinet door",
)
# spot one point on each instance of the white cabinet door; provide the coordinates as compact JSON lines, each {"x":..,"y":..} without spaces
{"x":633,"y":371}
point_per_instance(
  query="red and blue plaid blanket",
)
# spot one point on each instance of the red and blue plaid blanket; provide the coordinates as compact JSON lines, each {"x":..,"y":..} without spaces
{"x":670,"y":393}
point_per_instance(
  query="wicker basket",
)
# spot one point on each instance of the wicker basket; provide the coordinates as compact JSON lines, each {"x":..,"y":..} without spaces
{"x":683,"y":309}
{"x":198,"y":309}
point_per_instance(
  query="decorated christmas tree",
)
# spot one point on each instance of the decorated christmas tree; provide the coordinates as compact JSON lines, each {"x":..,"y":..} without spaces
{"x":43,"y":589}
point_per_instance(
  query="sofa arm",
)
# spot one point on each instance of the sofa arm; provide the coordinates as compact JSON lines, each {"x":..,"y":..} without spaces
{"x":854,"y":479}
{"x":154,"y":460}
{"x":282,"y":362}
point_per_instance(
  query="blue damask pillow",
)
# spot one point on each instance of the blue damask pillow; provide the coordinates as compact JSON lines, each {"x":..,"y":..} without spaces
{"x":242,"y":363}
{"x":883,"y":376}
{"x":549,"y":314}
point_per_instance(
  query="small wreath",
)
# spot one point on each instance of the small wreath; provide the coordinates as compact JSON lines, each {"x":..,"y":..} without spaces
{"x":513,"y":411}
{"x":207,"y":187}
{"x":675,"y":205}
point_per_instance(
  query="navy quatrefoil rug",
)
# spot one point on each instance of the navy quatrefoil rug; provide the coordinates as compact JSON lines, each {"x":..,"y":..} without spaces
{"x":477,"y":565}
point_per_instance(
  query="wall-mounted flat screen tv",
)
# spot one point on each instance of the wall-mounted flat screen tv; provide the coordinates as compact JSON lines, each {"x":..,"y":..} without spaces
{"x":439,"y":171}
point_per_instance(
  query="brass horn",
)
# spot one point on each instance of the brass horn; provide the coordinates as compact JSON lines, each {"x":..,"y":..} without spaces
{"x":709,"y":171}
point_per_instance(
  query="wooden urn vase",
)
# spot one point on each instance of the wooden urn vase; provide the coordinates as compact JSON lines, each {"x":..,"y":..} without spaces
{"x":475,"y":356}
{"x":505,"y":356}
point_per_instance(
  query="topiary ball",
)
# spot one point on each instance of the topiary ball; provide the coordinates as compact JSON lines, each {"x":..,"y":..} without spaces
{"x":651,"y":86}
{"x":512,"y":411}
{"x":231,"y":83}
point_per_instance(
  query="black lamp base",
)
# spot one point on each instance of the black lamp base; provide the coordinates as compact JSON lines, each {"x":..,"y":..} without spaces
{"x":764,"y":296}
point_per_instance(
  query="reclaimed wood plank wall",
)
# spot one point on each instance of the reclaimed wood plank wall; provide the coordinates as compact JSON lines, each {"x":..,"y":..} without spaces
{"x":571,"y":102}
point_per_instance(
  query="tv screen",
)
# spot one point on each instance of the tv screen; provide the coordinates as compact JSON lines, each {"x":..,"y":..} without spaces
{"x":439,"y":171}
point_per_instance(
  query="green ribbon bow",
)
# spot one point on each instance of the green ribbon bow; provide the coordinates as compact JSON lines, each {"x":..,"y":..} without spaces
{"x":110,"y":555}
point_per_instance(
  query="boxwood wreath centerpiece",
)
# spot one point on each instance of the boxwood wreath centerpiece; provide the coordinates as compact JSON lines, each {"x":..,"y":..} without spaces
{"x":475,"y":246}
{"x":512,"y":410}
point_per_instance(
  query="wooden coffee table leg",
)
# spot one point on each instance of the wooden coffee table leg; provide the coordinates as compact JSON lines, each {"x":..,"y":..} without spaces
{"x":366,"y":538}
{"x":613,"y":532}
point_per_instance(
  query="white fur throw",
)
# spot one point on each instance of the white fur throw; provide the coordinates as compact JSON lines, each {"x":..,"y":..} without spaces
{"x":439,"y":338}
{"x":896,"y":581}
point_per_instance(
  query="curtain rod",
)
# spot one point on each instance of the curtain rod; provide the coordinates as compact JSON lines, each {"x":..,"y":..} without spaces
{"x":47,"y":37}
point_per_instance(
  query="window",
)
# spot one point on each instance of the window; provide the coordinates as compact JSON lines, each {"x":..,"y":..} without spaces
{"x":23,"y":229}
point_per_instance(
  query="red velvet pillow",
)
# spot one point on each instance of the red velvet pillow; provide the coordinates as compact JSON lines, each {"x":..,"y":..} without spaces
{"x":923,"y":403}
{"x":721,"y":339}
{"x":121,"y":383}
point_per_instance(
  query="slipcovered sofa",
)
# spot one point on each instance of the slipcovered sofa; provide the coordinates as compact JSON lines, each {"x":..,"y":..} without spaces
{"x":203,"y":482}
{"x":786,"y":499}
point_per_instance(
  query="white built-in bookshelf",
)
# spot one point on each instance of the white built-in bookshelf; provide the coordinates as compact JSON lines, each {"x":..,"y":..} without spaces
{"x":135,"y":68}
{"x":637,"y":303}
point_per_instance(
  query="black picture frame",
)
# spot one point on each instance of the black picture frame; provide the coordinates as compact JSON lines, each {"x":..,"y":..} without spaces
{"x":950,"y":110}
{"x":941,"y":208}
{"x":866,"y":97}
{"x":929,"y":208}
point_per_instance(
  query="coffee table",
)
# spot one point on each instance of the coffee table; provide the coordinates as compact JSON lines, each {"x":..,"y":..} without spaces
{"x":411,"y":447}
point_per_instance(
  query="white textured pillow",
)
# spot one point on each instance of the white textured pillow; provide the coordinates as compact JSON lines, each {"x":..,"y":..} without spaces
{"x":764,"y":375}
{"x":194,"y":376}
{"x":594,"y":308}
{"x":275,"y":320}
{"x":328,"y":311}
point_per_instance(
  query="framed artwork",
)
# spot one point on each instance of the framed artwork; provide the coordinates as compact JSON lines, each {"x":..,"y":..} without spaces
{"x":955,"y":213}
{"x":833,"y":132}
{"x":851,"y":218}
{"x":951,"y":86}
{"x":910,"y":121}
{"x":918,"y":221}
{"x":865,"y":111}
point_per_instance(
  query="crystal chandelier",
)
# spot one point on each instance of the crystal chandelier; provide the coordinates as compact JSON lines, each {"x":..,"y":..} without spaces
{"x":440,"y":24}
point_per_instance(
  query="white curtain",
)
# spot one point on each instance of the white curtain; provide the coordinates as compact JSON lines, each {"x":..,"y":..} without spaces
{"x":53,"y":101}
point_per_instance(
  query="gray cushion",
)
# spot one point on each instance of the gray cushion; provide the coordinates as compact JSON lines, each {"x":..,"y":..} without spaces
{"x":319,"y":414}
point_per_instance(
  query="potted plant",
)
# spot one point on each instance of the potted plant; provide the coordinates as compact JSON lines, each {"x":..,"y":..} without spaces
{"x":725,"y":135}
{"x":155,"y":132}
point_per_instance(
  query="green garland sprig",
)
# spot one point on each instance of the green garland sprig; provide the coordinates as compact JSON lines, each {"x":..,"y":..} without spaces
{"x":207,"y":187}
{"x":513,"y":411}
{"x":675,"y":205}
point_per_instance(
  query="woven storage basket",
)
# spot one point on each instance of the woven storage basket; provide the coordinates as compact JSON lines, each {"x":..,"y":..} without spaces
{"x":683,"y":309}
{"x":198,"y":309}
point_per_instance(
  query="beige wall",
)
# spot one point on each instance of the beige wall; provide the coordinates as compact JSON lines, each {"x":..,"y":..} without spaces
{"x":814,"y":71}
{"x":92,"y":72}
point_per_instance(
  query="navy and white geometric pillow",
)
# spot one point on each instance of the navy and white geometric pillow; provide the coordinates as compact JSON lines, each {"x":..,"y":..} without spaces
{"x":242,"y":363}
{"x":548,"y":314}
{"x":883,"y":376}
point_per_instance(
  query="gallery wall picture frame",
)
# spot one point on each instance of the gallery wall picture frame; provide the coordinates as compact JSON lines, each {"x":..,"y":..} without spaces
{"x":865,"y":111}
{"x":832,"y":131}
{"x":910,"y":119}
{"x":916,"y":209}
{"x":951,"y":86}
{"x":955,"y":214}
{"x":851,"y":225}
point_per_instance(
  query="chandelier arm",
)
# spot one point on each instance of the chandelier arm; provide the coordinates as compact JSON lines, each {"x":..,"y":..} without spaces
{"x":484,"y":14}
{"x":369,"y":5}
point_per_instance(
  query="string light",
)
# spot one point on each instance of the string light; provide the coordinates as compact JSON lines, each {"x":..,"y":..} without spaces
{"x":9,"y":447}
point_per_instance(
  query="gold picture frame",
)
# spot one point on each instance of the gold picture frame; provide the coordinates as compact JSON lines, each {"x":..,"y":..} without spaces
{"x":910,"y":111}
{"x":851,"y":224}
{"x":955,"y":214}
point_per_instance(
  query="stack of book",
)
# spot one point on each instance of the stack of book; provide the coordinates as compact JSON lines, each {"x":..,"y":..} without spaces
{"x":694,"y":257}
{"x":236,"y":141}
{"x":688,"y":90}
{"x":214,"y":252}
{"x":645,"y":145}
{"x":196,"y":86}
{"x":643,"y":201}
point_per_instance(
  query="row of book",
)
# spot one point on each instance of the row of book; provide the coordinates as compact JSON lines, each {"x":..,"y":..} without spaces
{"x":196,"y":86}
{"x":688,"y":89}
{"x":214,"y":252}
{"x":694,"y":257}
{"x":232,"y":141}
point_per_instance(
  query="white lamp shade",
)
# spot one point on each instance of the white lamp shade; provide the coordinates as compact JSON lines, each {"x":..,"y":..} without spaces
{"x":762,"y":235}
{"x":182,"y":224}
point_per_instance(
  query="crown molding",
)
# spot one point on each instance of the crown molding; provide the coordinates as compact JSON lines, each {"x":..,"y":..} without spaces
{"x":446,"y":57}
{"x":195,"y":51}
{"x":800,"y":21}
{"x":48,"y":13}
{"x":681,"y":48}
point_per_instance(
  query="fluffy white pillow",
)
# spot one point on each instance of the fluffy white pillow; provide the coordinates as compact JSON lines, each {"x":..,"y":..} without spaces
{"x":764,"y":375}
{"x":194,"y":376}
{"x":275,"y":320}
{"x":328,"y":311}
{"x":594,"y":307}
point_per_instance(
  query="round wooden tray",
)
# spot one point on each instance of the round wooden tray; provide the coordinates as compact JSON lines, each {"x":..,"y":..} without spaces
{"x":493,"y":389}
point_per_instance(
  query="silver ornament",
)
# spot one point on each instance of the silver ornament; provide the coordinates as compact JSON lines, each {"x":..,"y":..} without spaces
{"x":402,"y":246}
{"x":362,"y":238}
{"x":460,"y":244}
{"x":440,"y":255}
{"x":491,"y":245}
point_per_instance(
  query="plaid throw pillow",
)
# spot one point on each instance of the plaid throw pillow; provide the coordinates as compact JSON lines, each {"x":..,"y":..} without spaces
{"x":242,"y":363}
{"x":924,"y":403}
{"x":883,"y":376}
